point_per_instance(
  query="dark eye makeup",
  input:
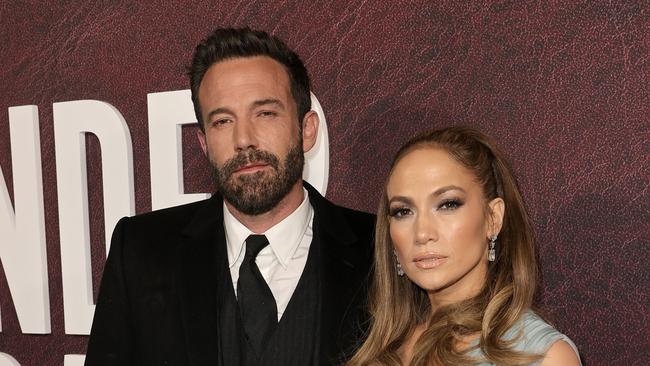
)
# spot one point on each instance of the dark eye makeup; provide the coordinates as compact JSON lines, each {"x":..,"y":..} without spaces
{"x":450,"y":204}
{"x":399,"y":211}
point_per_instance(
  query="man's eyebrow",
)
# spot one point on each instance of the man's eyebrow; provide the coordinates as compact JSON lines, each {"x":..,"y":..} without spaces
{"x":263,"y":102}
{"x":219,"y":111}
{"x":255,"y":104}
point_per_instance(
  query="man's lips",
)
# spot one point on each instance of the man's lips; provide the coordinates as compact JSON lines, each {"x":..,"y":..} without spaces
{"x":429,"y":260}
{"x":251,"y":168}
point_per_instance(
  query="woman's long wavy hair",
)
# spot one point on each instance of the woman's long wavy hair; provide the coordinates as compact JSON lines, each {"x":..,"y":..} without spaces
{"x":397,"y":305}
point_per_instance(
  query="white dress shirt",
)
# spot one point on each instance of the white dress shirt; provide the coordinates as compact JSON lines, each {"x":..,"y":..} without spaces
{"x":283,"y":260}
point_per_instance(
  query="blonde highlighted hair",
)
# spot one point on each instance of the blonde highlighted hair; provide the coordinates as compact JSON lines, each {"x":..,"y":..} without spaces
{"x":397,"y":305}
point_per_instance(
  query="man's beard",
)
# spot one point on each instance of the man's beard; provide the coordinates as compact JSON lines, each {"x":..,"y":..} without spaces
{"x":259,"y":192}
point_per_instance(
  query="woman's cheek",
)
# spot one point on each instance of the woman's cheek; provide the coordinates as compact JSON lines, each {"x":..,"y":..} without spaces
{"x":399,"y":235}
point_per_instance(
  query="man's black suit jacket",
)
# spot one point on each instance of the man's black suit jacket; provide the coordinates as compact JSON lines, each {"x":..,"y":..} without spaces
{"x":158,"y":299}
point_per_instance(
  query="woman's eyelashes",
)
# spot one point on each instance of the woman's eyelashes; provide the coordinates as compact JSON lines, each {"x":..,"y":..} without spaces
{"x":399,"y":212}
{"x":449,"y":204}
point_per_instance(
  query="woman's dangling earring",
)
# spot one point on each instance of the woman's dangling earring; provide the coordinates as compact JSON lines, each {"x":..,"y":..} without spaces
{"x":492,"y":253}
{"x":398,"y":265}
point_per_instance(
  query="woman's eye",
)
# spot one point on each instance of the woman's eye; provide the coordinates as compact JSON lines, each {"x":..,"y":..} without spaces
{"x":449,"y":205}
{"x":399,"y":212}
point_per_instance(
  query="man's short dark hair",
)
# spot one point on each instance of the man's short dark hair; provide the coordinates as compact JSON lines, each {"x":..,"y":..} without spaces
{"x":229,"y":43}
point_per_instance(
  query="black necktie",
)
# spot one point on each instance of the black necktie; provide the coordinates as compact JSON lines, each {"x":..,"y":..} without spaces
{"x":256,"y":303}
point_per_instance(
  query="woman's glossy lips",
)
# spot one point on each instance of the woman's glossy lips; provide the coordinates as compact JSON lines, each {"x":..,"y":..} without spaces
{"x":429,"y":260}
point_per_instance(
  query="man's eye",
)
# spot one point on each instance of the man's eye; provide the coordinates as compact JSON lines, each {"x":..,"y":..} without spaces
{"x":399,"y":212}
{"x":221,"y":121}
{"x":449,"y":205}
{"x":267,"y":114}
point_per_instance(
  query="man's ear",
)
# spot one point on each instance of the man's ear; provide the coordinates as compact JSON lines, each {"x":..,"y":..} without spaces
{"x":309,"y":130}
{"x":497,"y":210}
{"x":201,"y":137}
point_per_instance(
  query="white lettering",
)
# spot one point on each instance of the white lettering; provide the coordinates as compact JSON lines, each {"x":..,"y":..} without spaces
{"x":74,"y":360}
{"x":7,"y":360}
{"x":71,"y":121}
{"x":168,"y":111}
{"x":22,"y":245}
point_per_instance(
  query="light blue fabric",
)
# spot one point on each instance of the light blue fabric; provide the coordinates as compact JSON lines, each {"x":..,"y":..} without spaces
{"x":537,"y":336}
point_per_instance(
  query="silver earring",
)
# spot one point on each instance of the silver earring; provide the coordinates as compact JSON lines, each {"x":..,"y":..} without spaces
{"x":492,"y":253}
{"x":398,"y":265}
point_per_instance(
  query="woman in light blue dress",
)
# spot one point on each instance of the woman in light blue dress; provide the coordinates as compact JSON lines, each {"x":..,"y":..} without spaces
{"x":455,"y":267}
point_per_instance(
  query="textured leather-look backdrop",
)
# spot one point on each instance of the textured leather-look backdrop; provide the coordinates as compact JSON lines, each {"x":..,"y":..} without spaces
{"x":564,"y":88}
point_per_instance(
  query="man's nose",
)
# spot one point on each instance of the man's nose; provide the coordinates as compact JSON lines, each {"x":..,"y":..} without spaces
{"x":244,"y":135}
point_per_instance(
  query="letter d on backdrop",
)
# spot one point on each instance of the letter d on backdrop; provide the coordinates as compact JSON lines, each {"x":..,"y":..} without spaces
{"x":71,"y":121}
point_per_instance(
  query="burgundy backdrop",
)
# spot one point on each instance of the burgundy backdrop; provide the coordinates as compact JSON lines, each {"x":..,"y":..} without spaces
{"x":563,"y":87}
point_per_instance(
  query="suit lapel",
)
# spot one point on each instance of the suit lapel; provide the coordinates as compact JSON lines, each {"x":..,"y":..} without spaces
{"x":203,"y":264}
{"x":343,"y":268}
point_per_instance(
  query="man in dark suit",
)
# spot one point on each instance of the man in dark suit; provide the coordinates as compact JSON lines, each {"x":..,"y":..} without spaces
{"x":267,"y":271}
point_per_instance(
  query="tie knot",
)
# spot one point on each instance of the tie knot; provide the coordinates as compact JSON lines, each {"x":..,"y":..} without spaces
{"x":254,"y":244}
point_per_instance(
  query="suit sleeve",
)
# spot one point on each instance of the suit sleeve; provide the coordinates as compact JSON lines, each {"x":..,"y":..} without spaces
{"x":111,"y":337}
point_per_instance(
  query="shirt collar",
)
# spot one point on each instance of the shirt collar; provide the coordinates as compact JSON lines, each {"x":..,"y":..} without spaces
{"x":284,"y":237}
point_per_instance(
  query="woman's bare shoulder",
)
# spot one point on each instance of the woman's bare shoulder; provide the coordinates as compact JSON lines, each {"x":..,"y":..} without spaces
{"x":561,"y":354}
